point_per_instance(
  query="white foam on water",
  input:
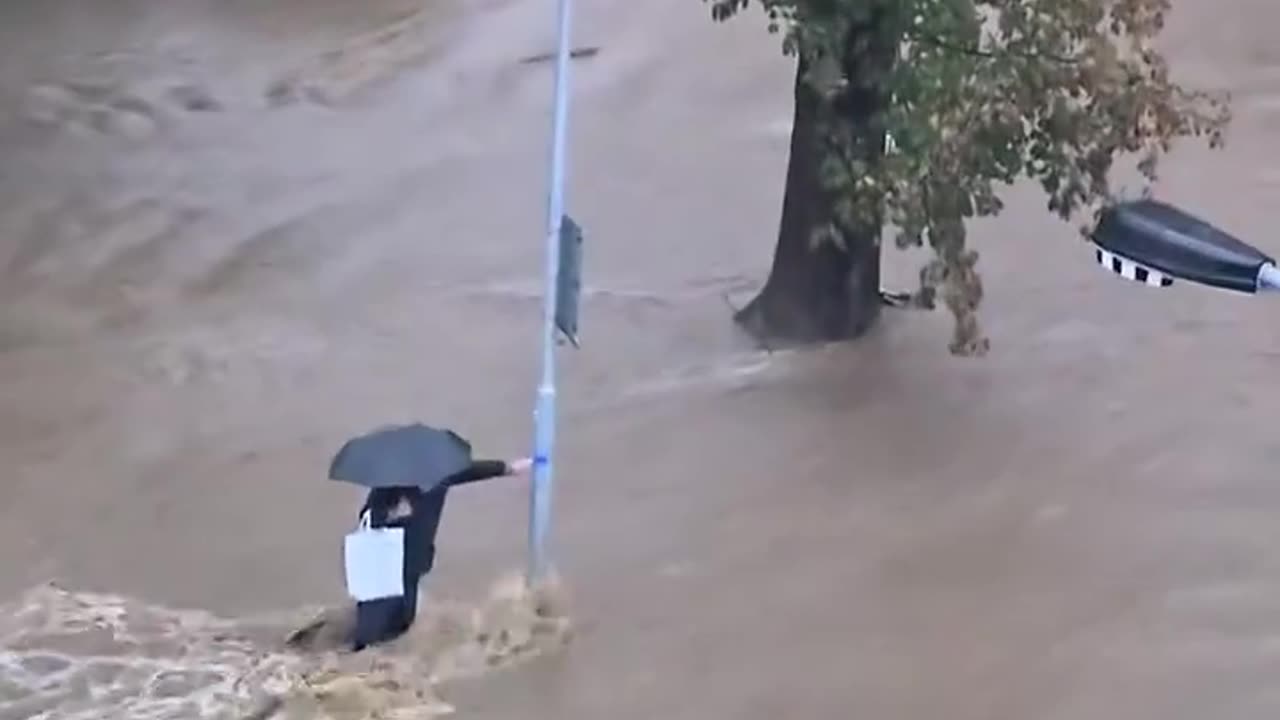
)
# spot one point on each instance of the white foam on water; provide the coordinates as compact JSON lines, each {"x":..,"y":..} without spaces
{"x":85,"y":656}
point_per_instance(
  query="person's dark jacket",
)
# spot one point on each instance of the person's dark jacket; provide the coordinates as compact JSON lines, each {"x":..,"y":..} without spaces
{"x":387,"y":618}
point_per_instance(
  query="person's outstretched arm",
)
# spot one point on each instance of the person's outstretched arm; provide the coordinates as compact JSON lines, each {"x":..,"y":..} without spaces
{"x":486,"y":469}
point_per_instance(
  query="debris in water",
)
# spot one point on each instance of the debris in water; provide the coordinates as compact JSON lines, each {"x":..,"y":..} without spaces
{"x":574,"y":54}
{"x":194,"y":98}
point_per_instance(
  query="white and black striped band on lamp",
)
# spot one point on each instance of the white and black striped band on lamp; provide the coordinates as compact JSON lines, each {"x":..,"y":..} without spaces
{"x":1130,"y":270}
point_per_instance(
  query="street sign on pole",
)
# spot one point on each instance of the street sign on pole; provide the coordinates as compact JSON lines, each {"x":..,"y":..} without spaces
{"x":569,"y":282}
{"x":544,"y":433}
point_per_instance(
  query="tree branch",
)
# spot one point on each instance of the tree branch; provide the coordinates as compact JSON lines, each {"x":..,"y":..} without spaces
{"x":975,"y":51}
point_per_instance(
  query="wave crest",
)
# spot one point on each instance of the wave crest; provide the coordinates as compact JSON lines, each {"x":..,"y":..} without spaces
{"x":89,"y":656}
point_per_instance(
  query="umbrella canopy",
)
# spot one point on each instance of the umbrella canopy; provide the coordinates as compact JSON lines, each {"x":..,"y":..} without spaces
{"x":403,"y":456}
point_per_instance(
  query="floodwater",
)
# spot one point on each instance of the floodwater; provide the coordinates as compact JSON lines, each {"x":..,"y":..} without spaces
{"x":233,"y":233}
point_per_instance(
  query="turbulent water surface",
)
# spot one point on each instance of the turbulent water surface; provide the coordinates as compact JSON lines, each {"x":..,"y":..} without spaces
{"x":233,"y":233}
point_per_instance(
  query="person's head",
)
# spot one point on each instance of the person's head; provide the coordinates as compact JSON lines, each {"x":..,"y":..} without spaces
{"x":403,"y":505}
{"x":397,"y":502}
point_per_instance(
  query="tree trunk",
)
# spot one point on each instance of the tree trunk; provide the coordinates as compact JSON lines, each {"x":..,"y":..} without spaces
{"x":817,"y":292}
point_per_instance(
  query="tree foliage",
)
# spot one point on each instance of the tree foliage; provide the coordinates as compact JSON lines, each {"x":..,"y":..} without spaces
{"x":975,"y":94}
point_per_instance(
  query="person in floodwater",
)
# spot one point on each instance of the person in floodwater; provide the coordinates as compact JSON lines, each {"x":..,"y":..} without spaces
{"x":418,"y":513}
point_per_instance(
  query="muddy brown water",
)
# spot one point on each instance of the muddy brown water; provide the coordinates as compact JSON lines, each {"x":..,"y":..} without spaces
{"x":198,"y":305}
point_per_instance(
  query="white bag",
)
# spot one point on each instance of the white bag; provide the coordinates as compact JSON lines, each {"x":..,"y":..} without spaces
{"x":374,"y":559}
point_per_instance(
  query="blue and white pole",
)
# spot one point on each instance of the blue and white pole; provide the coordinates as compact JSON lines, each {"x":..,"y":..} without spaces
{"x":541,"y":493}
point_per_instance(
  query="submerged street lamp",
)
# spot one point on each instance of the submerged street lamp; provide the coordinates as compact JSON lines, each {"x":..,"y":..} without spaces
{"x":1154,"y":243}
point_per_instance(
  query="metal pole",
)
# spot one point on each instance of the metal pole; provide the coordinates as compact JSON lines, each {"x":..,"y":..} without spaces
{"x":540,"y":495}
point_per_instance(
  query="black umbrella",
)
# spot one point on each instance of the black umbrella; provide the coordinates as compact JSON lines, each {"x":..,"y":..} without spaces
{"x":403,"y":456}
{"x":1155,"y":243}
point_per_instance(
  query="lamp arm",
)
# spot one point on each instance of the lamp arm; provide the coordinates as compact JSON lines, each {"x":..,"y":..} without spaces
{"x":1268,"y":278}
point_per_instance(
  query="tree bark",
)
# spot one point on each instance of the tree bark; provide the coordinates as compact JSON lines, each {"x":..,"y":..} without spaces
{"x":818,"y":292}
